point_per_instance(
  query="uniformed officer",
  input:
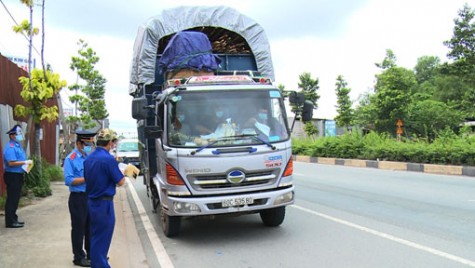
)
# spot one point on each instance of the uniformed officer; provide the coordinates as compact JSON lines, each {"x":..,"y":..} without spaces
{"x":14,"y":158}
{"x":102,"y":174}
{"x":74,"y":178}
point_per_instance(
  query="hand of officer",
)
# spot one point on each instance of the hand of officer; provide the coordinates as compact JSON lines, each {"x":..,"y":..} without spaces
{"x":131,"y":171}
{"x":28,"y":162}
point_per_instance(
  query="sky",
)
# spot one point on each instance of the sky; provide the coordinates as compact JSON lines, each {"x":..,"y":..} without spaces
{"x":326,"y":38}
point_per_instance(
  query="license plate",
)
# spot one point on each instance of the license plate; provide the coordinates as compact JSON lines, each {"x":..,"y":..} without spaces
{"x":237,"y":202}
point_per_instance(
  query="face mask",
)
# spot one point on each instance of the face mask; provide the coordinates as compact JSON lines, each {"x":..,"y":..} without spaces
{"x":219,"y":114}
{"x":181,"y":118}
{"x":87,"y":149}
{"x":19,"y":137}
{"x":262,"y":116}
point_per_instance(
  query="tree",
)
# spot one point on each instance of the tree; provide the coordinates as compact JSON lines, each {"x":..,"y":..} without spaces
{"x":343,"y":107}
{"x":39,"y":87}
{"x":393,"y":94}
{"x":91,"y":103}
{"x":427,"y":68}
{"x":389,"y":60}
{"x":310,"y":129}
{"x":309,"y":86}
{"x":427,"y":117}
{"x":462,"y":52}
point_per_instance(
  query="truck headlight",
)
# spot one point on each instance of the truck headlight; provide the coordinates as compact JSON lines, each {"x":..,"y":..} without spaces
{"x":184,"y":207}
{"x":285,"y":198}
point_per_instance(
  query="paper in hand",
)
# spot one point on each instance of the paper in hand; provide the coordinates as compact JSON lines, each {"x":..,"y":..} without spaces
{"x":27,"y":167}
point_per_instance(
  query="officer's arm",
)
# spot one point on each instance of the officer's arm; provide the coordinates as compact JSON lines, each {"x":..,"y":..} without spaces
{"x":121,"y":182}
{"x":16,"y":163}
{"x":77,"y":181}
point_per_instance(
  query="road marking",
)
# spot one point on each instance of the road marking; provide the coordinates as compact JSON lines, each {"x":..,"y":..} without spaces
{"x":157,"y":245}
{"x":392,"y":238}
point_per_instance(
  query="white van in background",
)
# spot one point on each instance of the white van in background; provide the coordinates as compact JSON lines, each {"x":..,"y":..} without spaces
{"x":127,"y":152}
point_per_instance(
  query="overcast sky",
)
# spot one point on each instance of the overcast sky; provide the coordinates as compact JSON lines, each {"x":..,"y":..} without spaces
{"x":324,"y":37}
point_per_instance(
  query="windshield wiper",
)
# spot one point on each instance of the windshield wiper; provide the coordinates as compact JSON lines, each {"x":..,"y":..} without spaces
{"x":254,"y":136}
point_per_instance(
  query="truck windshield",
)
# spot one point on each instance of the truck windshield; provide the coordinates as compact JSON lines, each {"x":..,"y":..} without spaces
{"x":225,"y":118}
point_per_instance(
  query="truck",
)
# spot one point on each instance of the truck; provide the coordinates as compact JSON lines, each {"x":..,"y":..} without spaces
{"x":214,"y":133}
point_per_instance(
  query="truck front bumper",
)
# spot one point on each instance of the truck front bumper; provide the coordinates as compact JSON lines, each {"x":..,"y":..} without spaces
{"x":239,"y":203}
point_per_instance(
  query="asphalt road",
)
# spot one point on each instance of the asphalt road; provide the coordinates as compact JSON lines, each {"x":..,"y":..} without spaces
{"x":342,"y":217}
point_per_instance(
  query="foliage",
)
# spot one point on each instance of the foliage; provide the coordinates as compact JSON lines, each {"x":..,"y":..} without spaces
{"x":462,"y":52}
{"x":393,"y":94}
{"x":36,"y":181}
{"x":91,"y":103}
{"x":310,"y":129}
{"x":447,"y":148}
{"x":309,"y":86}
{"x":52,"y":172}
{"x":26,"y":27}
{"x":427,"y":117}
{"x":388,"y":62}
{"x":43,"y":88}
{"x":344,"y":110}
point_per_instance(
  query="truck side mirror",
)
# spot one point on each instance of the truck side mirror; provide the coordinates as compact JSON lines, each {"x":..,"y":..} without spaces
{"x":139,"y":108}
{"x":307,"y":112}
{"x":296,"y":98}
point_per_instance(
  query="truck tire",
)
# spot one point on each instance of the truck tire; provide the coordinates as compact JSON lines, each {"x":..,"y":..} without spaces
{"x":273,"y":217}
{"x":170,"y":224}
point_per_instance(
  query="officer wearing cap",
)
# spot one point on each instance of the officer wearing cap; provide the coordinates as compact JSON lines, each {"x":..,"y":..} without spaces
{"x":14,"y":158}
{"x":102,"y":174}
{"x":77,"y":203}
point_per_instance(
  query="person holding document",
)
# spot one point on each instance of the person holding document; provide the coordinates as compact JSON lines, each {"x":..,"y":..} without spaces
{"x":14,"y":158}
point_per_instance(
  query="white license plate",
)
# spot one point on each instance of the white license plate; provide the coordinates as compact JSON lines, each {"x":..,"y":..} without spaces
{"x":237,"y":202}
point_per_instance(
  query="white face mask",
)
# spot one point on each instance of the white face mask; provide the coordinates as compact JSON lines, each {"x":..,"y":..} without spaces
{"x":19,"y":137}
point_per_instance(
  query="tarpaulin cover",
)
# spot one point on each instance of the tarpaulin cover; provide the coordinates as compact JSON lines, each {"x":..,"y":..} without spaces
{"x":182,"y":18}
{"x":188,"y":50}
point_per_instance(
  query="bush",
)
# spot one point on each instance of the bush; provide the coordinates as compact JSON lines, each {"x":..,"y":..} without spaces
{"x":52,"y":172}
{"x":36,"y":182}
{"x":447,"y":148}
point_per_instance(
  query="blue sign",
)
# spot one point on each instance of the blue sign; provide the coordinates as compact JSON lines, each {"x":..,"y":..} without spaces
{"x":330,"y":128}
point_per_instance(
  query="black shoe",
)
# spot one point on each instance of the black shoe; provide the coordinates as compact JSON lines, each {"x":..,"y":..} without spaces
{"x":14,"y":225}
{"x":21,"y":222}
{"x":82,"y":263}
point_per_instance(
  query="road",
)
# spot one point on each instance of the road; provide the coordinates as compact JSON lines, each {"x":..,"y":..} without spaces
{"x":342,"y":217}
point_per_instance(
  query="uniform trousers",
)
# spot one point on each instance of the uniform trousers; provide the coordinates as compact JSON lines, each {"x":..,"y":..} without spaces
{"x":79,"y":225}
{"x":14,"y":182}
{"x":102,"y":220}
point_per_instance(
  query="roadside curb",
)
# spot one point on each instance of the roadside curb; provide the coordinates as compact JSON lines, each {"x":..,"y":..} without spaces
{"x":391,"y":165}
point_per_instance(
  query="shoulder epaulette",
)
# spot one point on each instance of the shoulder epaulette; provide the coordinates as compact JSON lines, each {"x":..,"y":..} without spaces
{"x":73,"y":155}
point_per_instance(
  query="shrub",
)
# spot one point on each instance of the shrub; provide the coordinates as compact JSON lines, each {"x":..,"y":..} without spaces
{"x":446,"y":148}
{"x":36,"y":181}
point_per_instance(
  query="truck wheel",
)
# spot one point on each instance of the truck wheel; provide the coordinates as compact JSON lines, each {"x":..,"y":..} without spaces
{"x":170,"y":224}
{"x":273,"y":217}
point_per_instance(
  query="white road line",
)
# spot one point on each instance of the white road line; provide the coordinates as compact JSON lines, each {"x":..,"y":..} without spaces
{"x":392,"y":238}
{"x":157,"y":245}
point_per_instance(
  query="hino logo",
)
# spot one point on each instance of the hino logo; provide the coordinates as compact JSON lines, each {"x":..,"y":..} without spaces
{"x":236,"y":176}
{"x":197,"y":170}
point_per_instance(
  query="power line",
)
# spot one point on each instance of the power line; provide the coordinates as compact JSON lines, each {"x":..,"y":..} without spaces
{"x":16,"y":23}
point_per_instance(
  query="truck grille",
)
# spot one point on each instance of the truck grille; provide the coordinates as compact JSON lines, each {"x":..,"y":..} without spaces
{"x":218,"y":181}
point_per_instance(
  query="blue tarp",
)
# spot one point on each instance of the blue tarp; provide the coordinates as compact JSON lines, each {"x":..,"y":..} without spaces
{"x":188,"y":50}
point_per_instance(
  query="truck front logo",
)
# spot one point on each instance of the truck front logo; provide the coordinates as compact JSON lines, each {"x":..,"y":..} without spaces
{"x":236,"y":176}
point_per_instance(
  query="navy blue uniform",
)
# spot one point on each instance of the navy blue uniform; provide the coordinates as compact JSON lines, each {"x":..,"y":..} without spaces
{"x":77,"y":203}
{"x":14,"y":178}
{"x":102,"y":174}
